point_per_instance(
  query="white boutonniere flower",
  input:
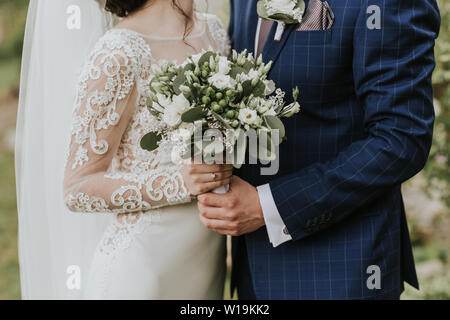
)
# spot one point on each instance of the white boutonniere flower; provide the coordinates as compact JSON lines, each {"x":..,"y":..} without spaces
{"x":282,"y":11}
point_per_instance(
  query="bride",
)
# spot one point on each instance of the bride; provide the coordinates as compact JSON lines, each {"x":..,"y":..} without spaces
{"x":153,"y":246}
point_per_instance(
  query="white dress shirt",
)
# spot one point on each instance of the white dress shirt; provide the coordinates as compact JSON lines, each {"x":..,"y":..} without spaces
{"x":276,"y":228}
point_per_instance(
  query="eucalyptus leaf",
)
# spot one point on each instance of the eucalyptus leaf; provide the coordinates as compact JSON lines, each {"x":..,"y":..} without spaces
{"x":205,"y":57}
{"x":248,"y":88}
{"x":150,"y":141}
{"x":235,"y":70}
{"x":259,"y":90}
{"x":193,"y":115}
{"x":269,"y":153}
{"x":240,"y":149}
{"x":275,"y":123}
{"x":178,"y":82}
{"x":248,"y":66}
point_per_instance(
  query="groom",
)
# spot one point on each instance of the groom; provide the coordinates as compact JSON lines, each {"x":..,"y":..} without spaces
{"x":331,"y":223}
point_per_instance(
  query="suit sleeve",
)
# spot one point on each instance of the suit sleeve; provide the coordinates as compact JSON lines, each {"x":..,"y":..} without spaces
{"x":392,"y":70}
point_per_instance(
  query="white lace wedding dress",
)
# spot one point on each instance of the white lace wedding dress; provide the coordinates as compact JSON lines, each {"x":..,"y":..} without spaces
{"x":156,"y":247}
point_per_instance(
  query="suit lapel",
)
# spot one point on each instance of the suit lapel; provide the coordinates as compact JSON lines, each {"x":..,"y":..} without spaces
{"x":272,"y":48}
{"x":252,"y":15}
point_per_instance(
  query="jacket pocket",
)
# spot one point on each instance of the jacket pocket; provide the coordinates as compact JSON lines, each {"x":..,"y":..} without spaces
{"x":312,"y":37}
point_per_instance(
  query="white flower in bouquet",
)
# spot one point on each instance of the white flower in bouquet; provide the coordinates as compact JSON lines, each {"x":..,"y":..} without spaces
{"x":228,"y":95}
{"x":222,"y":81}
{"x":224,"y":65}
{"x":249,"y":116}
{"x":196,"y":57}
{"x":251,"y":75}
{"x":173,"y":111}
{"x":163,"y":100}
{"x":291,"y":110}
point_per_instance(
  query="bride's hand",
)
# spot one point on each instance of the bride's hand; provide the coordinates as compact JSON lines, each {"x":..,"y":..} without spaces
{"x":203,"y":178}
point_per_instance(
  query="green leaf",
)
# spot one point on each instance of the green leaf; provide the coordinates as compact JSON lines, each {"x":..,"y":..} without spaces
{"x":205,"y":57}
{"x":150,"y":141}
{"x":235,"y":70}
{"x":240,"y":149}
{"x":248,"y":88}
{"x":193,"y":115}
{"x":248,"y":66}
{"x":189,"y":67}
{"x":275,"y":123}
{"x":259,"y":89}
{"x":269,"y":154}
{"x":178,"y":82}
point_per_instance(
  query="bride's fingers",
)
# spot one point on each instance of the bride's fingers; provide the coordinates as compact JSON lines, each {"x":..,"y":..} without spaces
{"x":209,"y":168}
{"x":212,"y":176}
{"x":209,"y":186}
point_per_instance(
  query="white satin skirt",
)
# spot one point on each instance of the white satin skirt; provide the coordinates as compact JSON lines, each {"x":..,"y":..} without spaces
{"x":161,"y":254}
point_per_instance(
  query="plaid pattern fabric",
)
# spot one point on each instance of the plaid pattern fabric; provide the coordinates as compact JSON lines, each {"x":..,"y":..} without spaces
{"x":318,"y":16}
{"x":365,"y":127}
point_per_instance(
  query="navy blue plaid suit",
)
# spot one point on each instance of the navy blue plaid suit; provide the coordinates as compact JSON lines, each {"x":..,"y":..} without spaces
{"x":365,"y":127}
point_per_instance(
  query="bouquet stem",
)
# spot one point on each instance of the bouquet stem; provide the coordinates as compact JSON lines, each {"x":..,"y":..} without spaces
{"x":222,"y":189}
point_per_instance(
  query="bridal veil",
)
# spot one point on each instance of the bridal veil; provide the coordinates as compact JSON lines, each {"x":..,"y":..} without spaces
{"x":55,"y":245}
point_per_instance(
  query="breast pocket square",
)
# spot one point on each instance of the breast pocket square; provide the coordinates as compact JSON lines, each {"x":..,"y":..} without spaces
{"x":318,"y":16}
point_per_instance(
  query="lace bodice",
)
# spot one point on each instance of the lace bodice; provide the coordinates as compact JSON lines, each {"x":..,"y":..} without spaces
{"x":106,"y":169}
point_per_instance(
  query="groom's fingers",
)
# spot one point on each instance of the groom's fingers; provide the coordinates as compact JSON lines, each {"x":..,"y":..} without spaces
{"x":214,"y":200}
{"x":212,"y":212}
{"x":214,"y":224}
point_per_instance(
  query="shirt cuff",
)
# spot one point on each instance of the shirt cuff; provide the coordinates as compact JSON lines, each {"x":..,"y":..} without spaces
{"x":276,"y":229}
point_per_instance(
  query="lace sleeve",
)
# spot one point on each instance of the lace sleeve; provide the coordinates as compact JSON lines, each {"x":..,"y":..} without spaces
{"x":106,"y":99}
{"x":220,"y":34}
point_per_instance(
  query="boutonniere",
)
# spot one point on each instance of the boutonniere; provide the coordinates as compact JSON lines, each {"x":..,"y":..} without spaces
{"x":283,"y":12}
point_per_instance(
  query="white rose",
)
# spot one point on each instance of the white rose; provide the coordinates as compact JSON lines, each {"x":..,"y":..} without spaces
{"x":249,"y":116}
{"x":157,"y":107}
{"x":283,"y":6}
{"x":173,"y":112}
{"x":163,"y":100}
{"x":224,"y":65}
{"x":251,"y":75}
{"x":221,"y":81}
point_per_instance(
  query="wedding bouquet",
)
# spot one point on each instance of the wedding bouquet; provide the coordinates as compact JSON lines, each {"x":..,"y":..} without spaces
{"x":209,"y":104}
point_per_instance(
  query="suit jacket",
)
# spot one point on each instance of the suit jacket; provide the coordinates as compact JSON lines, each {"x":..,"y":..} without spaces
{"x":365,"y":127}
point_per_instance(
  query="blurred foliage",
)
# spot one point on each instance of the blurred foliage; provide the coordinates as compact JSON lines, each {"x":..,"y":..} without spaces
{"x":12,"y":27}
{"x":434,"y":288}
{"x":438,"y":166}
{"x":9,"y":271}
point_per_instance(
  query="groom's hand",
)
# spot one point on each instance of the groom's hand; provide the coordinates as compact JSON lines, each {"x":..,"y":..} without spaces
{"x":235,"y":213}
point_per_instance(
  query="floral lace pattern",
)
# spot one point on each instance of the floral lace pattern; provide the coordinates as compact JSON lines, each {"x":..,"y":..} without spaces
{"x":219,"y":33}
